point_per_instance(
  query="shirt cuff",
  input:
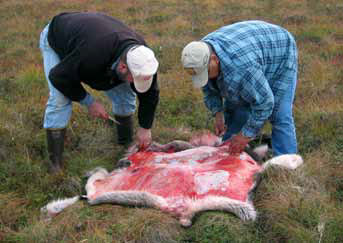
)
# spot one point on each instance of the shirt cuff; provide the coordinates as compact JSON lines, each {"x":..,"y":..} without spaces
{"x":87,"y":101}
{"x":249,"y":132}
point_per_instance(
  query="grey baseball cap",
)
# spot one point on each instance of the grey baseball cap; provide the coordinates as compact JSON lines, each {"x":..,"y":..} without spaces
{"x":195,"y":58}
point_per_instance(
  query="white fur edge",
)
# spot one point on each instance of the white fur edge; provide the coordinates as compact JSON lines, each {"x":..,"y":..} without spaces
{"x":244,"y":210}
{"x":133,"y":198}
{"x":288,"y":161}
{"x":55,"y":207}
{"x":96,"y":174}
{"x":261,"y":150}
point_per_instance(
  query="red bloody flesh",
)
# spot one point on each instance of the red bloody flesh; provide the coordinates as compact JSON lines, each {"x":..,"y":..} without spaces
{"x":194,"y":173}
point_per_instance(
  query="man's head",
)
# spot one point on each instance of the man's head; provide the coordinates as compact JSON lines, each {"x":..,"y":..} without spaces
{"x":138,"y":65}
{"x":201,"y":62}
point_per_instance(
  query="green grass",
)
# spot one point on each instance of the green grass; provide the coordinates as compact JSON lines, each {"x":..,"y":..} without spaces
{"x":300,"y":206}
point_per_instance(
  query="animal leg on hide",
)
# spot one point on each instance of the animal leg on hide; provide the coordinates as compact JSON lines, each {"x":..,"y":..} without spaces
{"x":288,"y":161}
{"x":55,"y":207}
{"x":96,"y":174}
{"x":252,"y":154}
{"x":174,"y":146}
{"x":244,"y":210}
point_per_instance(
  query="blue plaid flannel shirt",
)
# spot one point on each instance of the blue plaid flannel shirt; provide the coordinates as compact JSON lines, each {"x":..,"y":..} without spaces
{"x":258,"y":62}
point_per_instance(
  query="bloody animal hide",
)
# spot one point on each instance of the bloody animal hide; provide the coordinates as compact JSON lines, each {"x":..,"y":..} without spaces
{"x":182,"y":179}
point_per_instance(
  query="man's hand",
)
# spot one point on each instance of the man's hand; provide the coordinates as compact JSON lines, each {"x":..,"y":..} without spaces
{"x":143,"y":138}
{"x":96,"y":109}
{"x":238,"y":143}
{"x":220,"y":124}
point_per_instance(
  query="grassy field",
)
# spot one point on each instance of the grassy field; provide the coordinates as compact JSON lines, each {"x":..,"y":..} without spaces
{"x":300,"y":206}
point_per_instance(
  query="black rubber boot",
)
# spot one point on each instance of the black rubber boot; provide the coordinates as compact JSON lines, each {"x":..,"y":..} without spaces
{"x":124,"y":129}
{"x":55,"y":139}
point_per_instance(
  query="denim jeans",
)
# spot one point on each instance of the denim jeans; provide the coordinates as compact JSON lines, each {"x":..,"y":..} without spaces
{"x":59,"y":108}
{"x":283,"y":129}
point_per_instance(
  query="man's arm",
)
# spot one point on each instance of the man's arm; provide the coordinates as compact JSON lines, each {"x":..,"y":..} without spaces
{"x":257,"y":92}
{"x":214,"y":103}
{"x":147,"y":104}
{"x":212,"y":100}
{"x":66,"y":79}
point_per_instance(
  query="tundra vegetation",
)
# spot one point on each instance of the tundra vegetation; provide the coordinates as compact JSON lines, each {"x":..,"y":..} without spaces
{"x":300,"y":206}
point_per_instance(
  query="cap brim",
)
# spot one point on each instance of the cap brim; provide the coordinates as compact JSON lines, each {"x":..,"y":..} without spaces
{"x":200,"y":79}
{"x":142,"y":85}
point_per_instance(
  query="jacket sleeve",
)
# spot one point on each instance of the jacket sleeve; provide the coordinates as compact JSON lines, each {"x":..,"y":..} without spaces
{"x":65,"y":77}
{"x":147,"y":104}
{"x":212,"y":99}
{"x":257,"y":92}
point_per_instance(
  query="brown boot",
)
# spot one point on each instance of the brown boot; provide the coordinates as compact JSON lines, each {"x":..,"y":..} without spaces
{"x":55,"y":140}
{"x":124,"y":129}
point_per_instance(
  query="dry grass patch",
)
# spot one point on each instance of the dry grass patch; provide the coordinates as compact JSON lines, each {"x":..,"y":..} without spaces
{"x":104,"y":223}
{"x":13,"y":214}
{"x":291,"y":205}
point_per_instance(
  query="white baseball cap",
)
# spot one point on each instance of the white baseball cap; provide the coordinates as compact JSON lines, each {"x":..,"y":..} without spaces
{"x":142,"y":65}
{"x":195,"y":57}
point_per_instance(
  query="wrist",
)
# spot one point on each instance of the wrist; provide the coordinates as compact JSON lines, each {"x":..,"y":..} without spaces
{"x":246,"y":135}
{"x":219,"y":114}
{"x":215,"y":111}
{"x":143,"y":129}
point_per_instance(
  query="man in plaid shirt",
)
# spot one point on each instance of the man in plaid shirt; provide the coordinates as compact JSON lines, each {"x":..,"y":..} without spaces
{"x":248,"y":74}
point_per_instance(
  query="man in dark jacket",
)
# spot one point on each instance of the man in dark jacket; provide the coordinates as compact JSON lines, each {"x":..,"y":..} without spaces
{"x":105,"y":54}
